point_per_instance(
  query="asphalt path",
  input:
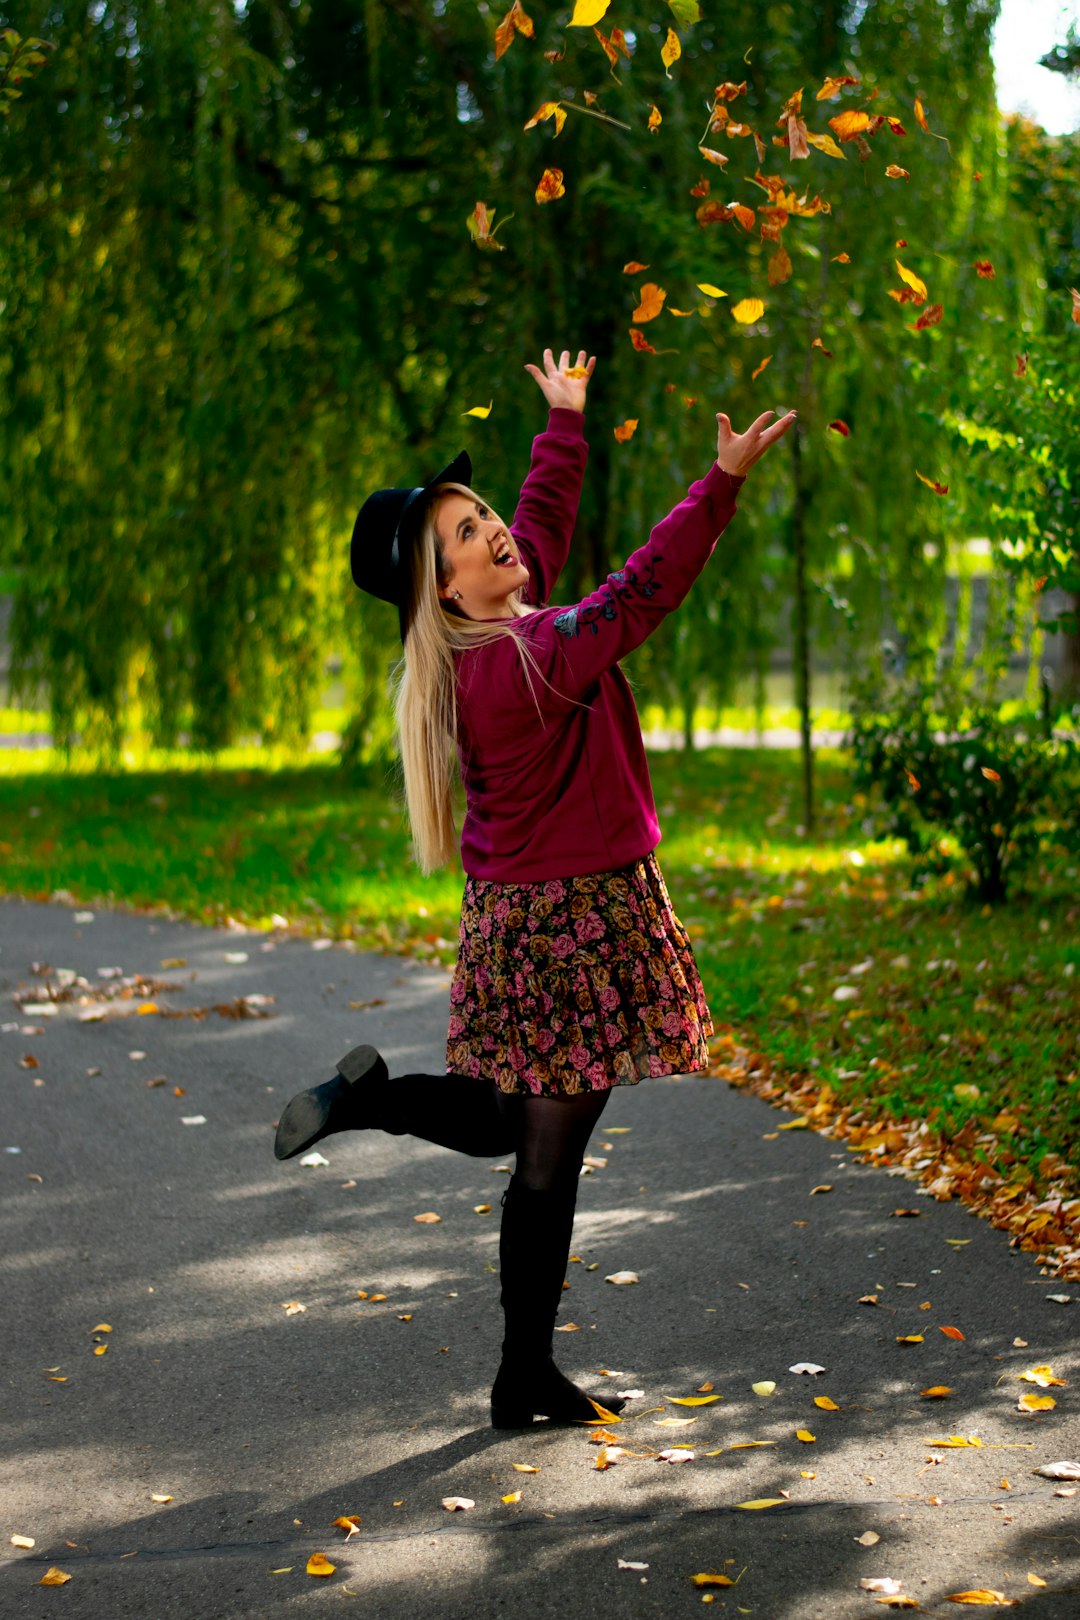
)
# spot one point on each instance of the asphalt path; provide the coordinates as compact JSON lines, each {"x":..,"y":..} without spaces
{"x":262,"y":1422}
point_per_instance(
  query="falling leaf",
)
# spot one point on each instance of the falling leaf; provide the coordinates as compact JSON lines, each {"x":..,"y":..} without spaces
{"x":895,"y":172}
{"x":651,"y":302}
{"x":625,"y":431}
{"x":747,"y":311}
{"x":818,"y":344}
{"x":952,"y":1332}
{"x":909,"y":277}
{"x":840,"y":427}
{"x":779,"y":267}
{"x":612,"y":47}
{"x":693,"y":1400}
{"x":1021,"y":366}
{"x":524,"y":1468}
{"x":938,"y":489}
{"x":991,"y":775}
{"x":980,"y":1594}
{"x":1075,"y":304}
{"x":687,"y":13}
{"x":640,"y":341}
{"x":847,"y":125}
{"x":711,"y":156}
{"x":709,"y":290}
{"x":551,"y":186}
{"x":482,"y":411}
{"x":429,"y":1218}
{"x":841,"y":258}
{"x":516,"y":21}
{"x":655,"y":118}
{"x":984,"y":269}
{"x":825,"y":143}
{"x":546,"y":110}
{"x":729,"y":91}
{"x":929,"y":317}
{"x":633,"y":268}
{"x":745,"y":217}
{"x":587,"y":13}
{"x":670,"y":51}
{"x":763,"y":1502}
{"x":159,"y":1496}
{"x":319,"y":1564}
{"x":22,"y":1541}
{"x":685,"y":312}
{"x":54,"y":1577}
{"x":458,"y":1504}
{"x":833,"y":86}
{"x":512,"y":1496}
{"x":825,"y":1403}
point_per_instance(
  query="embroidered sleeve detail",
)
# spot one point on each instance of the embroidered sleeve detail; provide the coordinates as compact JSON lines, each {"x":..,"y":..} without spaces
{"x":627,"y":583}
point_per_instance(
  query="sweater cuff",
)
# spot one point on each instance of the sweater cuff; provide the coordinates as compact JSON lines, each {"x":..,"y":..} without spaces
{"x":723,"y":486}
{"x":566,"y":423}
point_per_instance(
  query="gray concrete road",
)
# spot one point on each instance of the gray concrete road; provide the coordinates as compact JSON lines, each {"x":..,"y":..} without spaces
{"x":262,"y":1423}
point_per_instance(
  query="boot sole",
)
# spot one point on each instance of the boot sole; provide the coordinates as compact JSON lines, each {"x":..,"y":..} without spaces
{"x":306,"y":1116}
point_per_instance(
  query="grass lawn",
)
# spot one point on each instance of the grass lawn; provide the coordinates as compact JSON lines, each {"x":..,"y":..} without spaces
{"x":947,"y":1012}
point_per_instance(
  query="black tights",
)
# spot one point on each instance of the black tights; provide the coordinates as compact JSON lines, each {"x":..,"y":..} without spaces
{"x":551,"y":1135}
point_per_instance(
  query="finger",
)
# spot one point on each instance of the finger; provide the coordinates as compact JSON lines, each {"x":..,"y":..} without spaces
{"x":760,"y":423}
{"x":565,"y":360}
{"x":724,"y":424}
{"x":549,"y":362}
{"x":592,"y":364}
{"x":580,"y":361}
{"x":775,"y":432}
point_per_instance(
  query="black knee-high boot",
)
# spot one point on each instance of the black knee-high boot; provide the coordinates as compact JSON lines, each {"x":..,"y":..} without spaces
{"x":534,"y":1246}
{"x":451,"y":1110}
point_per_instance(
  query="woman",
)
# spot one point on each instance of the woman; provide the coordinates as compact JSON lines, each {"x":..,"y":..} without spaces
{"x":573,"y":974}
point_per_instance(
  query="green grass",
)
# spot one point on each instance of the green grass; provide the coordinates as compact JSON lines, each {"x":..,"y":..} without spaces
{"x":950,"y":996}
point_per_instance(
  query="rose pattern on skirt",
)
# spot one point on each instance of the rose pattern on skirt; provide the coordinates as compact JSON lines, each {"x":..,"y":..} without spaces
{"x":575,"y":984}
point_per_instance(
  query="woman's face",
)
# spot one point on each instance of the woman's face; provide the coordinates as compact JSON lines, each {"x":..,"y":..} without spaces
{"x":472,"y":539}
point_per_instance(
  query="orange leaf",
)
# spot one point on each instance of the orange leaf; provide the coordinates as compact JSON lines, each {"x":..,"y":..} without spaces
{"x":832,"y":87}
{"x":779,"y":267}
{"x":670,"y":51}
{"x":840,"y":427}
{"x":917,"y":286}
{"x":626,"y":431}
{"x":728,"y":91}
{"x":652,"y":302}
{"x":714,"y":157}
{"x":1021,"y":366}
{"x":954,"y":1332}
{"x":548,"y":109}
{"x":921,"y":116}
{"x":613,"y":46}
{"x":516,"y":21}
{"x":938,"y":489}
{"x":713,"y":213}
{"x":817,"y":344}
{"x":847,"y":125}
{"x":640,"y":342}
{"x":841,"y":258}
{"x":683,"y":312}
{"x":895,"y":172}
{"x":914,"y":780}
{"x":744,"y":215}
{"x":929,"y":317}
{"x":319,"y":1564}
{"x":551,"y":186}
{"x":979,"y":1594}
{"x":754,"y":375}
{"x":655,"y":118}
{"x":702,"y":188}
{"x":984,"y":269}
{"x":896,"y":126}
{"x":991,"y":776}
{"x":633,"y":267}
{"x":1075,"y":305}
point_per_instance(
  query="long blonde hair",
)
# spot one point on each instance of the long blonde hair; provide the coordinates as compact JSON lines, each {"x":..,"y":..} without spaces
{"x":425,"y":688}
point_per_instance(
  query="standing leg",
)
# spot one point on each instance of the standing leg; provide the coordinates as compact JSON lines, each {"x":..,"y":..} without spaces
{"x":534,"y":1245}
{"x":451,"y":1110}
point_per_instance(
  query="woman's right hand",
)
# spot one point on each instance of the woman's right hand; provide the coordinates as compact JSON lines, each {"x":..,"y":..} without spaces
{"x":737,"y":452}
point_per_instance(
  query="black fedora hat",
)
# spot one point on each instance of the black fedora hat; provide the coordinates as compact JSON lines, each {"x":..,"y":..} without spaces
{"x":384,"y":537}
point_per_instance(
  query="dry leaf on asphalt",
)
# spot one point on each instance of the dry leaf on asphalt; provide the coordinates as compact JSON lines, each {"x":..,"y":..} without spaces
{"x":159,"y":1496}
{"x":691,"y":1400}
{"x":1043,"y":1376}
{"x":319,"y":1564}
{"x":880,"y":1583}
{"x":825,"y":1403}
{"x":707,"y":1579}
{"x":524,"y":1468}
{"x":350,"y":1523}
{"x":675,"y":1455}
{"x":806,"y":1367}
{"x":429,"y":1218}
{"x":869,"y":1538}
{"x":22,"y":1541}
{"x":762,"y":1501}
{"x":54,"y":1577}
{"x":512,"y":1496}
{"x":629,"y":1563}
{"x":1059,"y":1470}
{"x":455,"y":1504}
{"x":622,"y":1277}
{"x":982,"y":1595}
{"x":766,"y":1387}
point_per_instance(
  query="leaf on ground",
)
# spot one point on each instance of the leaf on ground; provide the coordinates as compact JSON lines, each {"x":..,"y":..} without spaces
{"x":292,"y":1307}
{"x":458,"y":1504}
{"x":674,"y":1454}
{"x":763,"y":1502}
{"x":22,"y":1541}
{"x":982,"y":1595}
{"x":622,"y":1277}
{"x":709,"y":1579}
{"x":350,"y":1523}
{"x":952,"y":1332}
{"x":765,"y":1387}
{"x":160,"y":1496}
{"x":693,"y":1400}
{"x":1036,"y":1403}
{"x":54,"y":1577}
{"x":869,"y":1538}
{"x":319,"y":1564}
{"x":909,"y":1338}
{"x":825,"y":1403}
{"x":525,"y":1468}
{"x":806,"y":1367}
{"x":429,"y":1218}
{"x":936,"y":1392}
{"x":805,"y":1435}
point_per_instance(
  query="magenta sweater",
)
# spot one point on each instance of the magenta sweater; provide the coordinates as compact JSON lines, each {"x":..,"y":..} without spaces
{"x":568,"y":791}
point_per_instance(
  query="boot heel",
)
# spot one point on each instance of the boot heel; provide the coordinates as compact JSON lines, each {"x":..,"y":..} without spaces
{"x":511,"y":1417}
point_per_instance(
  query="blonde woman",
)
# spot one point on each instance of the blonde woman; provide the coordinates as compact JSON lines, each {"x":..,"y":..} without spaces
{"x":574,"y":974}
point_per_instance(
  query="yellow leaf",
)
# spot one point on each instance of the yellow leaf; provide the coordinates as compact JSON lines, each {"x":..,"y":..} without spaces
{"x":54,"y":1577}
{"x":1036,"y":1403}
{"x":909,"y":1338}
{"x":406,"y":1317}
{"x":100,"y":1349}
{"x":719,"y":158}
{"x":980,"y":1594}
{"x":1035,"y":1580}
{"x":712,"y":1580}
{"x":524,"y":1468}
{"x":957,"y":1440}
{"x":588,"y":12}
{"x":804,"y":1434}
{"x":917,"y":286}
{"x":746,"y":312}
{"x":159,"y":1496}
{"x":765,"y":1387}
{"x":748,"y":1445}
{"x":1041,"y":1376}
{"x":709,"y":290}
{"x":514,"y":1496}
{"x":548,"y":109}
{"x":288,"y":1569}
{"x":483,"y":412}
{"x":763,"y":1502}
{"x":825,"y":143}
{"x":147,"y":1007}
{"x":693,"y":1400}
{"x":756,"y":373}
{"x":825,"y":1403}
{"x":550,"y":187}
{"x":22,"y":1541}
{"x":481,"y":1209}
{"x":655,"y":117}
{"x":102,"y":1327}
{"x":319,"y":1564}
{"x":935,"y":1392}
{"x":651,"y":302}
{"x":576,"y":371}
{"x":602,"y":1413}
{"x":670,"y":51}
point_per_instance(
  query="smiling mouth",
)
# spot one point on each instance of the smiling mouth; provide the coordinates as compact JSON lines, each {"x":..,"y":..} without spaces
{"x":505,"y":559}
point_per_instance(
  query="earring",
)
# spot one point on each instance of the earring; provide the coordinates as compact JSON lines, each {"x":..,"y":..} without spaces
{"x":456,"y":595}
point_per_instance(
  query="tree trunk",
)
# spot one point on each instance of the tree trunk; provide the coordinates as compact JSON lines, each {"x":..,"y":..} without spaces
{"x":1069,"y":692}
{"x":802,"y":626}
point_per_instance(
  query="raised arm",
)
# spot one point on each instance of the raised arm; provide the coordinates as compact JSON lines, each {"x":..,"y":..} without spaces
{"x":543,"y":524}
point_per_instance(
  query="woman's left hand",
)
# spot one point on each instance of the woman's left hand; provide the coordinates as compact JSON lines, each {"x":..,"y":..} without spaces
{"x":560,"y":390}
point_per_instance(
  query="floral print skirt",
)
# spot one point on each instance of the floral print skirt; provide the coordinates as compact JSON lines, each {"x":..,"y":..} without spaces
{"x":575,"y":984}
